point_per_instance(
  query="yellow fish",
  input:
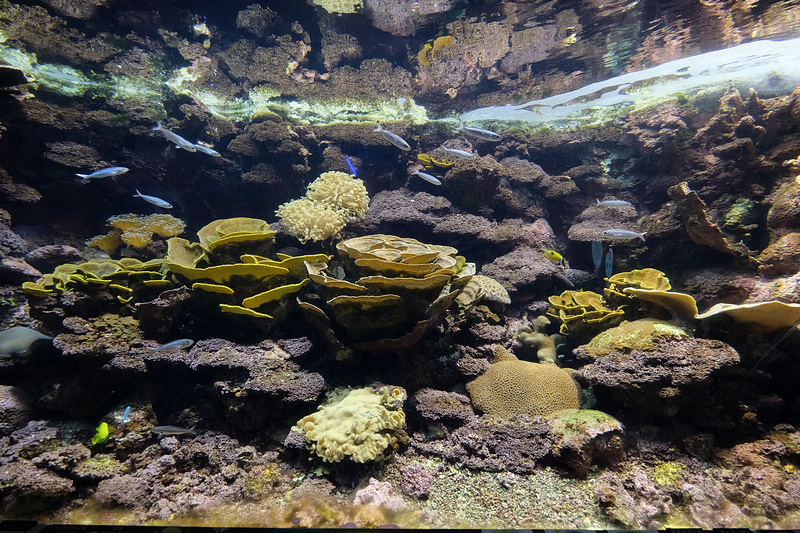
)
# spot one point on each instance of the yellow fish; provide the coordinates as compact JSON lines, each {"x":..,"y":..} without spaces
{"x":101,"y":435}
{"x":555,"y":257}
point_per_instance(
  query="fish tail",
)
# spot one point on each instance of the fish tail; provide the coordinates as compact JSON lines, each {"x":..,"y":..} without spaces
{"x":378,"y":127}
{"x":138,"y":194}
{"x":158,"y":126}
{"x":83,"y":177}
{"x":642,"y":236}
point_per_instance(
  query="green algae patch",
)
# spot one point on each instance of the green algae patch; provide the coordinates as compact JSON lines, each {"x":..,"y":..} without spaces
{"x":100,"y":466}
{"x":669,"y":474}
{"x":636,"y":335}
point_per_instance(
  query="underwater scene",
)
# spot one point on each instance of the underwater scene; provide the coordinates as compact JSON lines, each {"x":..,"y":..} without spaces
{"x":395,"y":263}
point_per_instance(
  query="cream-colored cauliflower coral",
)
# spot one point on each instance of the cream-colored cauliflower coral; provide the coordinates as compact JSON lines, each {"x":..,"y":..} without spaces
{"x":311,"y":221}
{"x":331,"y":201}
{"x":358,"y":423}
{"x":338,"y":189}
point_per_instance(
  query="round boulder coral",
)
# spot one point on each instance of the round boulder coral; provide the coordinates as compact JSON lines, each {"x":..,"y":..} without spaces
{"x":511,"y":387}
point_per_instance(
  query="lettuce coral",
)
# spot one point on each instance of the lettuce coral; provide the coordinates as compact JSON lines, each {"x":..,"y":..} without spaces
{"x":331,"y":201}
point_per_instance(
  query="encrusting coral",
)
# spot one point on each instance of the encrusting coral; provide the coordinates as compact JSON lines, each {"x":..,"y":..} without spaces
{"x":360,"y":424}
{"x":332,"y":200}
{"x":511,"y":387}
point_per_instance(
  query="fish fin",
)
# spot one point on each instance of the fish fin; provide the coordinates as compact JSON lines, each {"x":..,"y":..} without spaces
{"x":84,"y":177}
{"x":138,"y":194}
{"x":158,"y":126}
{"x":642,"y":236}
{"x":378,"y":127}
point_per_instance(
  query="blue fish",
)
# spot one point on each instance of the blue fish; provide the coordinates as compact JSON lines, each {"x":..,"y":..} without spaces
{"x":125,"y":415}
{"x":352,"y":167}
{"x":174,"y":345}
{"x":103,"y":173}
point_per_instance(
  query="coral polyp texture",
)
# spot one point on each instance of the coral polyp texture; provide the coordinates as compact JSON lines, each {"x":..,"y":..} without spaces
{"x":512,"y":387}
{"x":359,"y":424}
{"x":331,"y":202}
{"x":136,"y":231}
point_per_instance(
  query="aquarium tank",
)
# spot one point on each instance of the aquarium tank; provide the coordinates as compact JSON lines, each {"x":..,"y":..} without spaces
{"x":498,"y":264}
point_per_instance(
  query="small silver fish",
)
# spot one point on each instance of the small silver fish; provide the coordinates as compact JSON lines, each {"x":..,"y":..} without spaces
{"x":463,"y":154}
{"x":613,"y":203}
{"x":153,"y":200}
{"x":609,"y":262}
{"x":622,"y":234}
{"x":174,"y":345}
{"x":172,"y":430}
{"x":104,"y":173}
{"x":206,"y":149}
{"x":393,"y":138}
{"x":125,"y":416}
{"x":480,"y":133}
{"x":171,"y":136}
{"x":427,"y":177}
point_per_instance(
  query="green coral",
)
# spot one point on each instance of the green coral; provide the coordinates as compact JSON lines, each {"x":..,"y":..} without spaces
{"x":583,"y":313}
{"x":635,"y":335}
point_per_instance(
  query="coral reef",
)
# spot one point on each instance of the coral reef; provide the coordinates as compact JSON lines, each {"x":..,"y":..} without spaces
{"x":348,"y":293}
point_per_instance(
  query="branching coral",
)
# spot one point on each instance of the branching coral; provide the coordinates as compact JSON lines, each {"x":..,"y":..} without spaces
{"x":332,"y":200}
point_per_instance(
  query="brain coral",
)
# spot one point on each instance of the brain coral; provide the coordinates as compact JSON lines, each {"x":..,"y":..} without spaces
{"x":511,"y":387}
{"x":331,"y":200}
{"x":358,"y":423}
